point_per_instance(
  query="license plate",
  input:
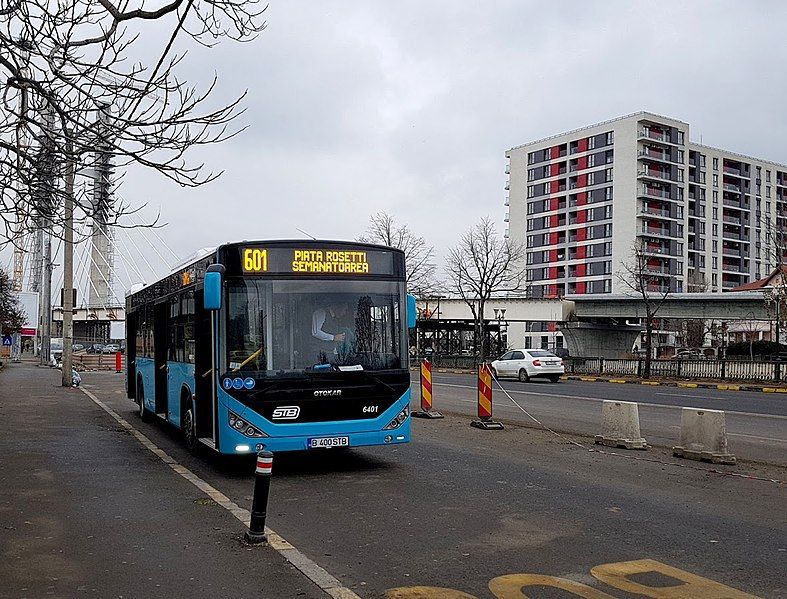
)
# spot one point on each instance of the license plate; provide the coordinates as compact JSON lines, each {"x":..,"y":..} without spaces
{"x":326,"y":442}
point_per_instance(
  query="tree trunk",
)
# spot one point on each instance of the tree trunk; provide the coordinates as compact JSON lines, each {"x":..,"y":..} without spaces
{"x":481,"y":333}
{"x":648,"y":347}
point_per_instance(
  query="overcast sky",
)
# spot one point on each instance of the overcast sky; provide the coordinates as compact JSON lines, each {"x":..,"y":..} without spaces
{"x":409,"y":107}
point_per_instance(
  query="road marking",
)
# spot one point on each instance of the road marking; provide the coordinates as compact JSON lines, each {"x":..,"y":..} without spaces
{"x":641,"y":403}
{"x":688,"y":385}
{"x":619,"y":576}
{"x":317,"y":574}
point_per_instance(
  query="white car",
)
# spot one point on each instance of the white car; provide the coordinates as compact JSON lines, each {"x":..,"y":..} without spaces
{"x":528,"y":363}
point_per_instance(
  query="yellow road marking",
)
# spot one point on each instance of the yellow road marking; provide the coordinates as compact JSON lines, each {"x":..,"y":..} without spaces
{"x":616,"y":575}
{"x":617,"y":380}
{"x":687,"y":385}
{"x":728,"y":387}
{"x":588,"y":378}
{"x":652,"y":383}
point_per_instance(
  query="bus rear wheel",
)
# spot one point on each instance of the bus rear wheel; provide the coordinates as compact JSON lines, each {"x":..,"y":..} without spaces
{"x":144,"y":415}
{"x":189,"y":429}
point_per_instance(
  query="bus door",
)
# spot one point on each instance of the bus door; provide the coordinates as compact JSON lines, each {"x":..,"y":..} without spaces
{"x":203,"y":369}
{"x":131,"y":355}
{"x":160,"y":344}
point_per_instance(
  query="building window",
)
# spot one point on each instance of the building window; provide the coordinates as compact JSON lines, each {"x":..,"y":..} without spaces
{"x":715,"y":180}
{"x":608,"y":229}
{"x":702,"y":160}
{"x":702,"y":180}
{"x":609,"y":157}
{"x":591,"y":160}
{"x":608,"y":211}
{"x":609,"y":193}
{"x":531,"y":191}
{"x":715,"y":214}
{"x":531,"y":174}
{"x":767,"y":176}
{"x":715,"y":230}
{"x":607,"y":285}
{"x":680,"y":138}
{"x":591,"y":142}
{"x":591,"y":178}
{"x":680,"y":156}
{"x":610,"y":138}
{"x":715,"y":246}
{"x":609,"y":174}
{"x":608,"y":248}
{"x":715,"y":280}
{"x":767,"y":191}
{"x":715,"y":196}
{"x":759,"y":189}
{"x":680,"y":175}
{"x":715,"y":164}
{"x":715,"y":262}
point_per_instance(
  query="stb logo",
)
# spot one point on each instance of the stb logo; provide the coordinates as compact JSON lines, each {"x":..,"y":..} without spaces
{"x":286,"y":413}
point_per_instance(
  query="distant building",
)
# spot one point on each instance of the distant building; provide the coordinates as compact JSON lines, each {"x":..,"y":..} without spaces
{"x":580,"y":200}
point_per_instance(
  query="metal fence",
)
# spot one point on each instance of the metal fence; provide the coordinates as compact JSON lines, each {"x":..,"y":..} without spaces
{"x":732,"y":370}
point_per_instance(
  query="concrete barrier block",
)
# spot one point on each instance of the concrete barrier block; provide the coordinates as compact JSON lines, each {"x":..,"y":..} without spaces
{"x":703,"y":436}
{"x":620,"y":425}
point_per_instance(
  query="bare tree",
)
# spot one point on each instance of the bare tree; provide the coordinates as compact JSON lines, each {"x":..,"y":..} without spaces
{"x":481,"y":265}
{"x":80,"y":77}
{"x":648,"y":283}
{"x":84,"y":81}
{"x":418,"y":254}
{"x":12,"y":317}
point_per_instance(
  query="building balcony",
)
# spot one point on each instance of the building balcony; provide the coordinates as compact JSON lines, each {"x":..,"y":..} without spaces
{"x":651,"y":154}
{"x":734,"y":203}
{"x":508,"y":169}
{"x":734,"y":172}
{"x":730,"y":251}
{"x":731,"y":219}
{"x":733,"y":268}
{"x":652,"y":192}
{"x":662,"y":232}
{"x":655,"y":250}
{"x":505,"y":218}
{"x":507,"y":202}
{"x":732,"y":235}
{"x":654,"y":173}
{"x":507,"y":186}
{"x":732,"y":188}
{"x":657,"y":270}
{"x":647,"y":133}
{"x":656,"y":212}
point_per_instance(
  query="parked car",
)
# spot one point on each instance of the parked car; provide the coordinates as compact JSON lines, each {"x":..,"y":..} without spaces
{"x":529,"y":363}
{"x":110,"y":348}
{"x":688,"y":354}
{"x":95,"y":348}
{"x":77,"y":347}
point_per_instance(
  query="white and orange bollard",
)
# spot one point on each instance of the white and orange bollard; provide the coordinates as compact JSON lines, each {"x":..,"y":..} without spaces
{"x":259,"y":505}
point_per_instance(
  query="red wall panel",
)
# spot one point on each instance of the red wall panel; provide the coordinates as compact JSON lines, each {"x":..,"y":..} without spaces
{"x":582,"y":146}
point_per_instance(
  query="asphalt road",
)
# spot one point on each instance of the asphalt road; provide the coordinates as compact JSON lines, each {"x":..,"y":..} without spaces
{"x":756,"y":422}
{"x":459,"y":507}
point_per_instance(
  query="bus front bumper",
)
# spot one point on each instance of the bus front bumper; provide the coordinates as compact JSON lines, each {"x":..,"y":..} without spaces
{"x":322,"y":441}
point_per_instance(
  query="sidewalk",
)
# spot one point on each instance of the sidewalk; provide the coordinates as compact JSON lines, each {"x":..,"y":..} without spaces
{"x":85,"y":510}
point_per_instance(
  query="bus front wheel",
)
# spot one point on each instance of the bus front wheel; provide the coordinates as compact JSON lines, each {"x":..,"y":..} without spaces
{"x":142,"y":411}
{"x":189,"y":429}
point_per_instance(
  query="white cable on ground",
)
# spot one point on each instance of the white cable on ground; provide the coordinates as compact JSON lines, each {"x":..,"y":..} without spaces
{"x":628,"y":456}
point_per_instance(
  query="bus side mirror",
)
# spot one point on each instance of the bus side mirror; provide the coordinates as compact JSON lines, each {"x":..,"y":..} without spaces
{"x":212,"y":298}
{"x":411,"y":311}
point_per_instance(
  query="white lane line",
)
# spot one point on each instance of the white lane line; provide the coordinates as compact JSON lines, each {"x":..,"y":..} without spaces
{"x":317,"y":574}
{"x":598,"y":399}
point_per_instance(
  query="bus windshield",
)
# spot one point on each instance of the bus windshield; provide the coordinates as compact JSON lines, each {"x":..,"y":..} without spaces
{"x":276,"y":327}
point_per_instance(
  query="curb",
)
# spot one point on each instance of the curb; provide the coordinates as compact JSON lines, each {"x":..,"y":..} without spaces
{"x":682,"y":385}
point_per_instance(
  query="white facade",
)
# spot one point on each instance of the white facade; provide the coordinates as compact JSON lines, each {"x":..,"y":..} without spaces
{"x":580,"y":201}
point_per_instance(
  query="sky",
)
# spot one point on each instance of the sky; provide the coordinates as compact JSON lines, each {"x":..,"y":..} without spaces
{"x":409,"y":107}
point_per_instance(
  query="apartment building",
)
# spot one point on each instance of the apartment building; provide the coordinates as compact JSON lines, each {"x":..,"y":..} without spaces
{"x":706,"y":218}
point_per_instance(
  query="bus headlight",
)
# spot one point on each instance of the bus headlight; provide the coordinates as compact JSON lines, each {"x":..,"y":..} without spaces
{"x":399,"y":420}
{"x":243,"y":427}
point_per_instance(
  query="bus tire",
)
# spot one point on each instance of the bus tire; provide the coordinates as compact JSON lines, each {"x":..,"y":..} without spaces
{"x":143,"y":412}
{"x":188,"y":425}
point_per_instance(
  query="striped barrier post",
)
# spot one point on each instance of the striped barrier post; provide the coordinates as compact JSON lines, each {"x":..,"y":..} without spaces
{"x":485,"y":421}
{"x":426,"y":392}
{"x":259,"y":505}
{"x":118,"y":362}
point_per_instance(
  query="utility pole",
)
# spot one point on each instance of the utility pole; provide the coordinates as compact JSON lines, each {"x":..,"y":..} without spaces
{"x":68,"y":262}
{"x":44,"y":198}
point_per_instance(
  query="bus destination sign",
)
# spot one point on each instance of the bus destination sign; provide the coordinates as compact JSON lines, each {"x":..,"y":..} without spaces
{"x":311,"y":261}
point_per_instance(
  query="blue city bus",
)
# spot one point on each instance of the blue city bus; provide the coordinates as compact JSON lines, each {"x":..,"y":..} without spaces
{"x":275,"y":345}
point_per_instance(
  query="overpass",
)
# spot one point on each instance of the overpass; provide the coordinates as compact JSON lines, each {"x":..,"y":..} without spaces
{"x":743,"y":305}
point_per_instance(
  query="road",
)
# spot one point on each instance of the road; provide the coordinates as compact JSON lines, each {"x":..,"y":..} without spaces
{"x":756,"y":422}
{"x":459,"y":507}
